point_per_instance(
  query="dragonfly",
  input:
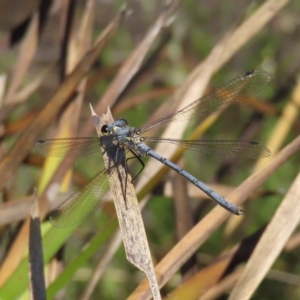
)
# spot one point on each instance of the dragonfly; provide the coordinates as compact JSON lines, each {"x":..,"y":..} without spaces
{"x":119,"y":140}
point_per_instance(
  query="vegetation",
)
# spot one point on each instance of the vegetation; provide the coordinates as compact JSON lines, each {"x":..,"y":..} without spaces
{"x":145,"y":60}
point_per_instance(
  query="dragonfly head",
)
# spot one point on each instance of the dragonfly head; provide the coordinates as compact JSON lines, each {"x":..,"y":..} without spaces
{"x":114,"y":127}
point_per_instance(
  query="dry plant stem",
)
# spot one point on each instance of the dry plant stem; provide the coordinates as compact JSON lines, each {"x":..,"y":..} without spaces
{"x":136,"y":100}
{"x":10,"y":163}
{"x":276,"y":139}
{"x":271,"y":244}
{"x":154,"y":172}
{"x":11,"y":167}
{"x":23,"y":94}
{"x":18,"y":210}
{"x":207,"y":278}
{"x":67,"y":53}
{"x":131,"y":63}
{"x":14,"y":96}
{"x":15,"y":210}
{"x":23,"y":145}
{"x":110,"y":251}
{"x":197,"y":81}
{"x":262,"y":107}
{"x":183,"y":219}
{"x":16,"y":252}
{"x":68,"y":121}
{"x":196,"y":237}
{"x":26,"y":54}
{"x":203,"y":280}
{"x":229,"y":45}
{"x":251,"y":26}
{"x":3,"y":79}
{"x":192,"y":88}
{"x":224,"y":285}
{"x":112,"y":247}
{"x":283,"y":277}
{"x":284,"y":125}
{"x":129,"y":215}
{"x":292,"y":243}
{"x":135,"y":60}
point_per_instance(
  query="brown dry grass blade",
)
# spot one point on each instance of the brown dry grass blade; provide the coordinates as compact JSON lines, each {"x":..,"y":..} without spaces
{"x":24,"y":93}
{"x":271,"y":244}
{"x":68,"y":121}
{"x":15,"y":94}
{"x":208,"y":277}
{"x":17,"y":126}
{"x":227,"y":47}
{"x":18,"y":210}
{"x":134,"y":62}
{"x":136,"y":100}
{"x":202,"y":231}
{"x":262,"y":107}
{"x":129,"y":215}
{"x":112,"y":247}
{"x":3,"y":79}
{"x":36,"y":260}
{"x":26,"y":54}
{"x":198,"y":80}
{"x":26,"y":141}
{"x":15,"y":210}
{"x":224,"y":285}
{"x":154,"y":172}
{"x":12,"y":160}
{"x":202,"y":281}
{"x":251,"y":26}
{"x":284,"y":124}
{"x":292,"y":243}
{"x":279,"y":134}
{"x":183,"y":218}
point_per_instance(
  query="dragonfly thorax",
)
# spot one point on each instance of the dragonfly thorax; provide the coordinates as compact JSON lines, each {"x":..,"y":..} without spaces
{"x":122,"y":133}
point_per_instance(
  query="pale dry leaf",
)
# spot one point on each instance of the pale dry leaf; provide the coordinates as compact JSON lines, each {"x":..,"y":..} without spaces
{"x":223,"y":286}
{"x":31,"y":87}
{"x":202,"y":231}
{"x":196,"y":83}
{"x":134,"y":62}
{"x":228,"y":47}
{"x":3,"y":79}
{"x":271,"y":244}
{"x":12,"y":160}
{"x":129,"y":215}
{"x":26,"y":54}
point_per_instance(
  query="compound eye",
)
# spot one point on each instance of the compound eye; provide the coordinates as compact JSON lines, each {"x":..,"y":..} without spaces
{"x":104,"y":129}
{"x":123,"y":120}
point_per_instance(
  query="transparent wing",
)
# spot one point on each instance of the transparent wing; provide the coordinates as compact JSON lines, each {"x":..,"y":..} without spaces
{"x":236,"y":89}
{"x":68,"y":146}
{"x":80,"y":204}
{"x":228,"y":148}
